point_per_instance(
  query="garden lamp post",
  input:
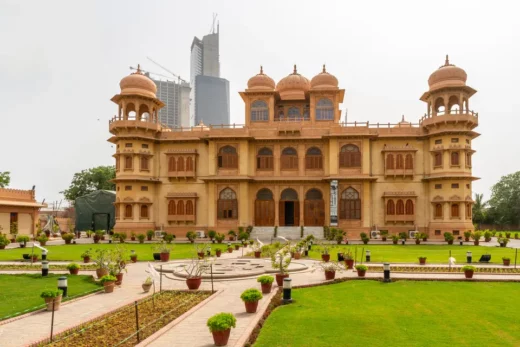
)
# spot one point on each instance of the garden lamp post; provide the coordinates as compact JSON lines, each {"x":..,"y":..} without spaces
{"x":386,"y":272}
{"x":208,"y":252}
{"x":403,"y":241}
{"x":306,"y":251}
{"x":367,"y":256}
{"x":62,"y":284}
{"x":44,"y":254}
{"x":287,"y":286}
{"x":45,"y":267}
{"x":461,"y":241}
{"x":469,"y":257}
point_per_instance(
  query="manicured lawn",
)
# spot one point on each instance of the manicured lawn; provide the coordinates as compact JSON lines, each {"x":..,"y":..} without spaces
{"x":409,"y":253}
{"x":73,"y":252}
{"x":22,"y":292}
{"x":404,"y":313}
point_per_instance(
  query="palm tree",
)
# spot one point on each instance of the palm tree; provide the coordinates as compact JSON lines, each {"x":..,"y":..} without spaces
{"x":479,"y":209}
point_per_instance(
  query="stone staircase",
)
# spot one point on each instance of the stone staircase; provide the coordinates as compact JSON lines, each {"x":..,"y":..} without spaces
{"x":290,"y":233}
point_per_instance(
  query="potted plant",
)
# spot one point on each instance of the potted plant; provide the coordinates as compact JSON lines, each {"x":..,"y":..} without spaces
{"x":229,"y":248}
{"x":132,"y":236}
{"x":476,"y":237}
{"x":117,"y":264}
{"x":422,"y":260}
{"x":508,"y":234}
{"x":220,"y":326}
{"x":147,"y":284}
{"x":169,"y":238}
{"x":22,"y":240}
{"x":149,"y":235}
{"x":424,"y":237}
{"x":448,"y":237}
{"x":86,"y":255}
{"x":218,"y":252}
{"x":256,"y":250}
{"x":141,"y":238}
{"x":42,"y":239}
{"x":220,"y":237}
{"x":266,"y":282}
{"x":201,"y":250}
{"x":330,"y":269}
{"x":164,"y":250}
{"x":503,"y":241}
{"x":237,"y":246}
{"x":52,"y":299}
{"x":232,"y":234}
{"x":349,"y":259}
{"x":384,"y":235}
{"x":364,"y":238}
{"x":4,"y":241}
{"x":395,"y":239}
{"x":98,"y":235}
{"x":108,"y":282}
{"x":212,"y":234}
{"x":34,"y":257}
{"x":194,"y":272}
{"x":487,"y":235}
{"x":67,"y":237}
{"x":250,"y":297}
{"x":325,"y":256}
{"x":122,"y":237}
{"x":467,"y":235}
{"x":361,"y":270}
{"x":280,"y":261}
{"x":133,"y":257}
{"x":73,"y":268}
{"x":506,"y":261}
{"x":13,"y":230}
{"x":468,"y":271}
{"x":102,"y":261}
{"x":191,"y":236}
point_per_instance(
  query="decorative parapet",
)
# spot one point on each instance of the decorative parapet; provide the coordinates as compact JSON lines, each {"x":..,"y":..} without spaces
{"x":399,"y":194}
{"x":17,"y":194}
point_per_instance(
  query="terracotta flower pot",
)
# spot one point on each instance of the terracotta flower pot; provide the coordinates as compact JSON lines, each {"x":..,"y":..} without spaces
{"x":349,"y":263}
{"x":146,"y":287}
{"x":119,"y":277}
{"x":383,"y":238}
{"x":221,"y":338}
{"x":266,"y":287}
{"x":297,"y":255}
{"x":230,"y":250}
{"x":165,"y":257}
{"x":101,"y":272}
{"x":450,"y":242}
{"x":193,"y":283}
{"x":218,"y":253}
{"x":237,"y":247}
{"x":258,"y":254}
{"x":468,"y":273}
{"x":57,"y":302}
{"x":330,"y":275}
{"x":251,"y":306}
{"x":43,"y":243}
{"x":132,"y":238}
{"x":425,"y":239}
{"x":279,"y":278}
{"x":325,"y":257}
{"x":201,"y":255}
{"x":2,"y":246}
{"x":67,"y":242}
{"x":466,"y":239}
{"x":109,"y":287}
{"x":34,"y":258}
{"x":476,"y":242}
{"x":394,"y":242}
{"x":86,"y":260}
{"x":96,"y":239}
{"x":506,"y":262}
{"x":361,"y":273}
{"x":133,"y":258}
{"x":422,"y":261}
{"x":149,"y":238}
{"x":74,"y":271}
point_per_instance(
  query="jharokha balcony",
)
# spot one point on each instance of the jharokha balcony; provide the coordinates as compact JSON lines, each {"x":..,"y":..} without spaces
{"x":404,"y":218}
{"x":453,"y":116}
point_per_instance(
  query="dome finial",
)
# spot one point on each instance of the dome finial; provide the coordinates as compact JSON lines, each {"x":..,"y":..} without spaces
{"x":138,"y":68}
{"x":324,"y":70}
{"x":402,"y":120}
{"x":295,"y":71}
{"x":447,"y":62}
{"x":261,"y":70}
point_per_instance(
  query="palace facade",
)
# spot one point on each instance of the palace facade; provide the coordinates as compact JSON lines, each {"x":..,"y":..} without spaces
{"x":294,"y":163}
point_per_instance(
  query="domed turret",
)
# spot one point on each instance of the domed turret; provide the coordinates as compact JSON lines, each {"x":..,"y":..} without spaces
{"x":261,"y":82}
{"x":293,"y":87}
{"x":138,"y":84}
{"x":447,"y":75}
{"x":324,"y":80}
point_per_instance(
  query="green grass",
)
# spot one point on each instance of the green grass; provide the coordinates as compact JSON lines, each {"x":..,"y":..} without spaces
{"x":73,"y":252}
{"x":22,"y":292}
{"x":404,"y":313}
{"x":409,"y":253}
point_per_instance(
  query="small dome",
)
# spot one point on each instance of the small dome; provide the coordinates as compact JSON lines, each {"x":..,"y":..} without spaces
{"x":447,"y":75}
{"x":402,"y":123}
{"x":293,"y":87}
{"x":261,"y":82}
{"x":324,"y":80}
{"x":138,"y":84}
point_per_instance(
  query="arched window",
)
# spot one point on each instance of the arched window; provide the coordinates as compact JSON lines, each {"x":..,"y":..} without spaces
{"x":143,"y":113}
{"x":438,"y":210}
{"x":289,"y":159}
{"x":172,"y":164}
{"x":399,"y":207}
{"x":144,"y":211}
{"x":455,"y":210}
{"x":264,"y":194}
{"x":313,"y":194}
{"x":189,"y":164}
{"x":390,"y":208}
{"x":453,"y":104}
{"x":228,"y":158}
{"x":350,"y":204}
{"x":313,"y":159}
{"x":349,"y":156}
{"x":399,"y":162}
{"x":227,"y":205}
{"x":438,"y":159}
{"x":294,"y":113}
{"x":454,"y":158}
{"x":264,"y":159}
{"x":409,"y":207}
{"x":259,"y":111}
{"x":171,"y":208}
{"x":408,"y":162}
{"x":390,"y":162}
{"x":130,"y":111}
{"x":180,"y":164}
{"x":128,"y":211}
{"x":180,"y":207}
{"x":324,"y":110}
{"x":144,"y":163}
{"x":189,"y":208}
{"x":439,"y":106}
{"x":129,"y":162}
{"x":289,"y":195}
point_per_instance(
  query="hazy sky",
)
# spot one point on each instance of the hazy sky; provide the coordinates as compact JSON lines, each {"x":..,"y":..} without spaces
{"x":61,"y":62}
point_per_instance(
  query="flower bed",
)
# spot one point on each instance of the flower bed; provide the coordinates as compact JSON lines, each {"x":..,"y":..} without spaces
{"x":38,"y":267}
{"x":118,"y":328}
{"x":441,"y":269}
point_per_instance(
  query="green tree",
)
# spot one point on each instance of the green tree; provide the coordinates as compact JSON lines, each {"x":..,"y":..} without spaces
{"x":5,"y":178}
{"x":479,"y":209}
{"x":88,"y":181}
{"x":504,"y":204}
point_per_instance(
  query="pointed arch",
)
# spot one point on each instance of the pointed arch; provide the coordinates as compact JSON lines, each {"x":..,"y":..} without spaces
{"x":144,"y":211}
{"x":180,"y":207}
{"x":259,"y":111}
{"x":129,"y":211}
{"x":390,"y":208}
{"x":227,"y":204}
{"x":409,"y":208}
{"x":189,"y":208}
{"x":172,"y":164}
{"x":408,"y":162}
{"x":189,"y":164}
{"x":264,"y":208}
{"x":349,"y":156}
{"x":399,"y":207}
{"x":180,"y":164}
{"x":289,"y":159}
{"x":265,"y":159}
{"x":350,"y":204}
{"x":455,"y":213}
{"x":228,"y":157}
{"x":390,"y":162}
{"x":455,"y":158}
{"x":313,"y":159}
{"x":399,"y":162}
{"x":324,"y":109}
{"x":171,"y":208}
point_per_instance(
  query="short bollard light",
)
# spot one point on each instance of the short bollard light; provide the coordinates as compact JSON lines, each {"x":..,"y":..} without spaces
{"x":45,"y":267}
{"x":287,"y":285}
{"x":307,"y":251}
{"x":469,"y":256}
{"x":368,"y":255}
{"x":62,"y":284}
{"x":403,"y":241}
{"x":44,"y":255}
{"x":386,"y":272}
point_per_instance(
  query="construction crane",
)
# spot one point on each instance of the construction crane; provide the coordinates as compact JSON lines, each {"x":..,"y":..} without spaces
{"x":165,"y":69}
{"x":150,"y":72}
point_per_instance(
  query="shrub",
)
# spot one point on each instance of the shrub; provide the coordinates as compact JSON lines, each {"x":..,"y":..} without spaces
{"x":476,"y":235}
{"x":487,"y":235}
{"x":232,"y":233}
{"x":395,"y":238}
{"x":468,"y":268}
{"x":122,"y":237}
{"x":221,"y":321}
{"x":191,"y":235}
{"x":467,"y":234}
{"x":3,"y":240}
{"x":251,"y":295}
{"x":42,"y":238}
{"x":67,"y":237}
{"x":243,"y":236}
{"x":506,"y":258}
{"x":361,"y":267}
{"x":508,"y":235}
{"x":363,"y":235}
{"x":51,"y":293}
{"x":141,"y":238}
{"x":149,"y":233}
{"x":22,"y":239}
{"x":72,"y":266}
{"x":220,"y":237}
{"x":212,"y":234}
{"x":168,"y":238}
{"x":448,"y":236}
{"x":403,"y":236}
{"x":265,"y":279}
{"x":107,"y":278}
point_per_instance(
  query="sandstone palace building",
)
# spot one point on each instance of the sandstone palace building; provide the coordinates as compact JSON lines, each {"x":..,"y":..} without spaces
{"x":294,"y":163}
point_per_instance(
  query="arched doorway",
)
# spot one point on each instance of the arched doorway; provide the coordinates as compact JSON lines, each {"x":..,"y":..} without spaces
{"x":314,"y":208}
{"x":289,"y":208}
{"x":264,"y":208}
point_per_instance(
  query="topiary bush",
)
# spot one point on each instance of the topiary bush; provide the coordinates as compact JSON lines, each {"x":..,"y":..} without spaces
{"x":221,"y":321}
{"x":265,"y":279}
{"x":251,"y":295}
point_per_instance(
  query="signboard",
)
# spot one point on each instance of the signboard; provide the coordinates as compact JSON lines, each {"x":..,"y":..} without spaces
{"x":334,"y":203}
